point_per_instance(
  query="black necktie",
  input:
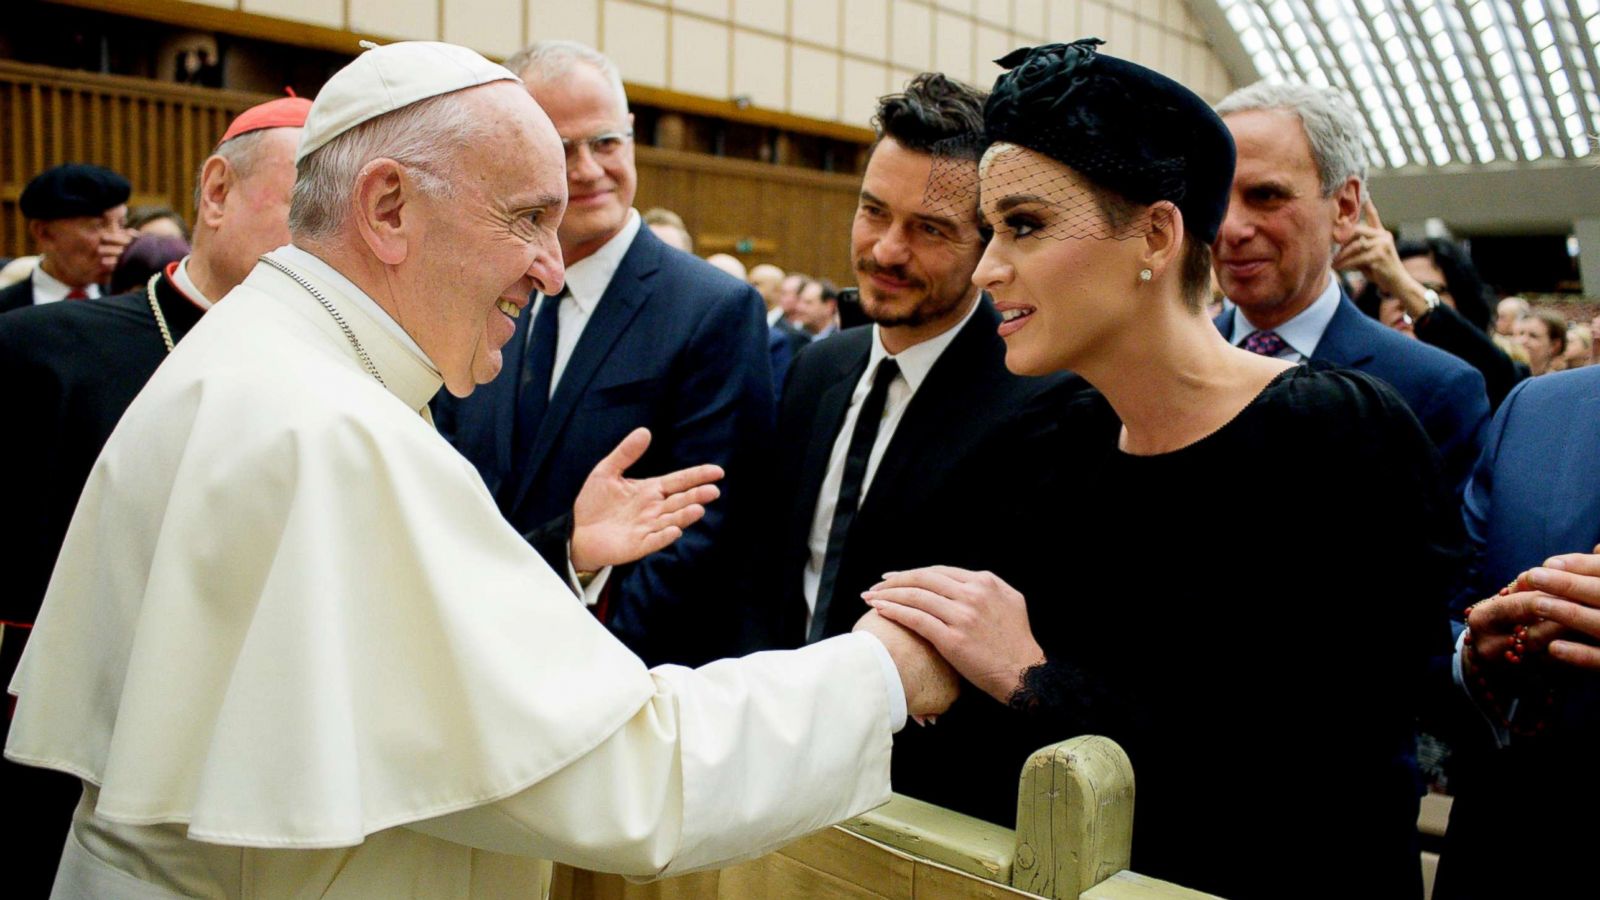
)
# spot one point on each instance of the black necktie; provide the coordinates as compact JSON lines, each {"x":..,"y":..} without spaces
{"x":855,"y":471}
{"x":533,"y":388}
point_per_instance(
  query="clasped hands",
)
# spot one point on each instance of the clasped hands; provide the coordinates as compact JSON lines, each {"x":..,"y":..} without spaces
{"x":1553,"y":609}
{"x":976,"y":622}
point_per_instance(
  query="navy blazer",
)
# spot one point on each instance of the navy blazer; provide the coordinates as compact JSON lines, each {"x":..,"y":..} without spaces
{"x":678,"y":347}
{"x":1535,"y":493}
{"x":1446,"y":394}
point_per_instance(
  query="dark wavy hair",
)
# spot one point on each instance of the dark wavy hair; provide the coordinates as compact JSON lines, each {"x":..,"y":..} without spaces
{"x":1474,"y":299}
{"x":936,"y":115}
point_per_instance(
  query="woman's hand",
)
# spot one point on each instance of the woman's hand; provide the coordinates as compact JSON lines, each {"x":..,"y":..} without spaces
{"x":975,"y":620}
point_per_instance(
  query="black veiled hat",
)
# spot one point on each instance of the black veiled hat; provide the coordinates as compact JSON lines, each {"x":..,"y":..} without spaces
{"x":1123,"y":126}
{"x":72,"y":190}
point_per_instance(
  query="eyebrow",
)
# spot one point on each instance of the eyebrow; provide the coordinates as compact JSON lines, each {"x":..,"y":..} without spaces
{"x":540,"y":202}
{"x":943,"y":221}
{"x":1006,"y":204}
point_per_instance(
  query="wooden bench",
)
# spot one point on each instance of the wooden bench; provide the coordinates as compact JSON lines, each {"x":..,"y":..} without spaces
{"x":1074,"y":831}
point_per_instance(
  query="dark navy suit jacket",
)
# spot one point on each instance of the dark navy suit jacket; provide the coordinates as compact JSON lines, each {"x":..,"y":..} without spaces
{"x":1444,"y":393}
{"x":1535,"y":493}
{"x":681,"y":348}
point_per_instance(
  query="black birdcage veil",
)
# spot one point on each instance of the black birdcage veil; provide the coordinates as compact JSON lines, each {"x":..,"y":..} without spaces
{"x":1025,"y":194}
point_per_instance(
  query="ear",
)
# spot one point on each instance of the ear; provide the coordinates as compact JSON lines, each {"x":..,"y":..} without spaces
{"x":1347,"y":210}
{"x":1163,"y":241}
{"x":39,"y":230}
{"x":216,"y":180}
{"x":383,"y":211}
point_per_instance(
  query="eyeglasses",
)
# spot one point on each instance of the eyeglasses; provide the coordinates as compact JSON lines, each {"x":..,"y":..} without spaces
{"x":601,"y":146}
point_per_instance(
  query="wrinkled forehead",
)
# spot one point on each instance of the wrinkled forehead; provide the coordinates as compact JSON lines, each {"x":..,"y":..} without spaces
{"x":520,"y":144}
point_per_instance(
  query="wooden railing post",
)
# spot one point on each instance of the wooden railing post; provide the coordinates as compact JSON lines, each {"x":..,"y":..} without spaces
{"x":1074,"y":817}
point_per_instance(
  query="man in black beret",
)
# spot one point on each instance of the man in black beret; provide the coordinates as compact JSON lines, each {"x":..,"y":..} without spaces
{"x":75,"y":213}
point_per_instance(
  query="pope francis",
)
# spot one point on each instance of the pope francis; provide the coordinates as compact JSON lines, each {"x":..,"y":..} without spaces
{"x":291,"y":647}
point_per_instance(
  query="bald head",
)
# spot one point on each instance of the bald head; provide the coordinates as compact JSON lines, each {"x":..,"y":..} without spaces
{"x":728,"y":264}
{"x":767,"y":278}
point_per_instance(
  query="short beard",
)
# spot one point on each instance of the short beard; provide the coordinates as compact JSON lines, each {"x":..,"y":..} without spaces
{"x":930,"y":308}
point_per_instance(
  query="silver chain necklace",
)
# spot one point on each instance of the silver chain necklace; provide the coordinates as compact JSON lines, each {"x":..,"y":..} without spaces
{"x":361,"y":352}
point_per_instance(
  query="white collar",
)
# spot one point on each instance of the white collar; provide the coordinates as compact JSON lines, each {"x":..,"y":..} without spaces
{"x":295,"y":257}
{"x":588,"y":278}
{"x":180,"y":277}
{"x":48,"y":289}
{"x":1304,"y":331}
{"x":917,"y":360}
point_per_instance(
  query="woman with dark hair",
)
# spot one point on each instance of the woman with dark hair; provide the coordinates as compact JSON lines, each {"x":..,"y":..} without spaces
{"x":1429,"y":290}
{"x":1223,"y":673}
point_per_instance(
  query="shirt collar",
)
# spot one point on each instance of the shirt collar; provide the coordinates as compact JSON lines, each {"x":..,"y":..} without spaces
{"x":1304,"y":331}
{"x":48,"y":289}
{"x":180,"y":277}
{"x":917,"y":360}
{"x":588,"y":278}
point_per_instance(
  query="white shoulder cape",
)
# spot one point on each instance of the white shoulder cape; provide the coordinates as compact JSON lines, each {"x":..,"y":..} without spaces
{"x":289,"y":614}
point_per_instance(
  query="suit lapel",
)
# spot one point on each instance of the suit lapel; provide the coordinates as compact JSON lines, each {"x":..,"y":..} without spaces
{"x":627,"y":292}
{"x":1342,"y":342}
{"x":926,"y":416}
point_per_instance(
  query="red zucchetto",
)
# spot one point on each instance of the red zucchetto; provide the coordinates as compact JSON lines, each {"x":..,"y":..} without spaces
{"x":284,"y":112}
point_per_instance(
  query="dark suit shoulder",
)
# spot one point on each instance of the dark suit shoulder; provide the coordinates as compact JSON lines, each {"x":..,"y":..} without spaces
{"x":688,"y":279}
{"x":36,"y":330}
{"x":17,"y":296}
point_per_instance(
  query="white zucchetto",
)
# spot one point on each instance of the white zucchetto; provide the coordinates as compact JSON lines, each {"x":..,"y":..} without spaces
{"x":386,"y":78}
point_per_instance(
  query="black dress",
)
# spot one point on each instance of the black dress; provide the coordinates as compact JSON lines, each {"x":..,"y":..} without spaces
{"x":1252,"y":617}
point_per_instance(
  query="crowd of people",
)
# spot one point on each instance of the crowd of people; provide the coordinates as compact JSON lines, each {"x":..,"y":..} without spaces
{"x":427,"y":511}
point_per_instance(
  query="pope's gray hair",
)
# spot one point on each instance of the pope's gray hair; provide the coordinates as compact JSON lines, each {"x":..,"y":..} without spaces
{"x":549,"y":60}
{"x":424,"y":137}
{"x":1332,"y":126}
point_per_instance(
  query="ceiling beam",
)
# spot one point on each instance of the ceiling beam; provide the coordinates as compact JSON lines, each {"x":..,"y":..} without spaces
{"x":1494,"y":199}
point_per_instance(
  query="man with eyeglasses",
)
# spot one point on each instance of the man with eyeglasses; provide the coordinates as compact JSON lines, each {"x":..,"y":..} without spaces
{"x":640,"y":335}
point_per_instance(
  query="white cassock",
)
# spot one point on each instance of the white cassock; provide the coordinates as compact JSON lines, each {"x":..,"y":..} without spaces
{"x":293,"y":649}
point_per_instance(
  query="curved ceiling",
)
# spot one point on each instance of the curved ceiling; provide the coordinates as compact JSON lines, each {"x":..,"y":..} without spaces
{"x":1442,"y":82}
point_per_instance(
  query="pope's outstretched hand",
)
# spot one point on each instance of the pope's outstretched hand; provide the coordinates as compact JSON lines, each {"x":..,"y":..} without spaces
{"x":617,"y":519}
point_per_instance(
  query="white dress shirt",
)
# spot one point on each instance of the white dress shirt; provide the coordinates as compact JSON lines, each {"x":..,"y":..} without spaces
{"x":915,"y":363}
{"x":1300,"y":334}
{"x":48,"y":289}
{"x":587,"y":280}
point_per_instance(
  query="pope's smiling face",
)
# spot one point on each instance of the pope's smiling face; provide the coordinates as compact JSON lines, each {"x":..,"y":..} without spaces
{"x":491,"y":241}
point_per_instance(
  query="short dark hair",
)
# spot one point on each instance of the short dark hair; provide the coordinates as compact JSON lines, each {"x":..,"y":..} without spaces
{"x":934,"y":114}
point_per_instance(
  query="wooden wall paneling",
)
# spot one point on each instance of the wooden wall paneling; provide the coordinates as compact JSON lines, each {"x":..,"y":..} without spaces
{"x":154,"y":133}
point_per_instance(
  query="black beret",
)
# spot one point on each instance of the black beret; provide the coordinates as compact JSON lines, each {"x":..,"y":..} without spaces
{"x":72,"y":190}
{"x":1124,"y":127}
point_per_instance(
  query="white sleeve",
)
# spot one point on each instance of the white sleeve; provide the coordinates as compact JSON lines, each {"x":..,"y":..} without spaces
{"x":725,"y":762}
